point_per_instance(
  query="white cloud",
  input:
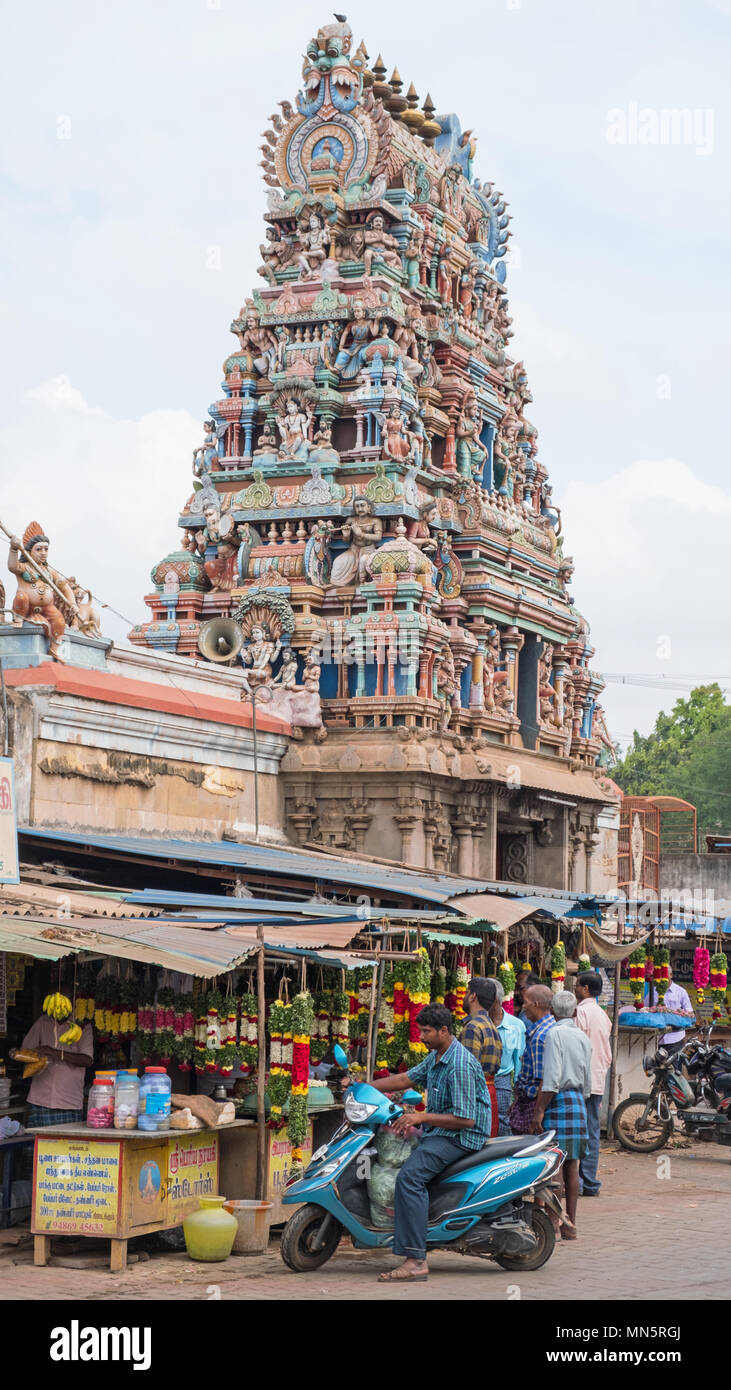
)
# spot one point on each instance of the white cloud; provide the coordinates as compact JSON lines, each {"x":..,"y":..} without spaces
{"x":59,"y":394}
{"x":646,"y":544}
{"x":107,"y":491}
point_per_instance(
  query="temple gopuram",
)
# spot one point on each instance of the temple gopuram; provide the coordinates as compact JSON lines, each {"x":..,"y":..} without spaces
{"x":370,"y":536}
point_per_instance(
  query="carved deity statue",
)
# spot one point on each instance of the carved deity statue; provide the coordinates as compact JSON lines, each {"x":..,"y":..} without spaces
{"x":380,"y":246}
{"x":353,"y":343}
{"x":495,"y":683}
{"x":258,"y":344}
{"x":546,"y":692}
{"x":405,"y":339}
{"x":413,"y":256}
{"x":276,"y":254}
{"x":364,"y":533}
{"x":40,"y":587}
{"x":294,"y":424}
{"x":471,"y":452}
{"x":314,"y":242}
{"x":317,"y":561}
{"x":447,"y":686}
{"x":395,"y":443}
{"x":224,"y":535}
{"x":260,"y":654}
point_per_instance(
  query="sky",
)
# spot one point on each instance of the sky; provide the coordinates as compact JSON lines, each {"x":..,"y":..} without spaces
{"x":132,"y":209}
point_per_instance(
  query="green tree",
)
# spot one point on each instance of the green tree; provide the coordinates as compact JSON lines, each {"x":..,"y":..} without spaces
{"x":688,"y":754}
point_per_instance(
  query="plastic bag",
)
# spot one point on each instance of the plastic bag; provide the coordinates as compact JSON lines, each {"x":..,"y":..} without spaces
{"x":393,"y":1152}
{"x":392,"y":1148}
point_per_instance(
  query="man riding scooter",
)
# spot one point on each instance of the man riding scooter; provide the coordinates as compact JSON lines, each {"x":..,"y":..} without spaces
{"x":457,"y":1119}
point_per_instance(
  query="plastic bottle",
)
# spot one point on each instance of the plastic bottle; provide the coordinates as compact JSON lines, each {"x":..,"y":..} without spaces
{"x":126,"y":1100}
{"x":155,"y":1091}
{"x":100,"y":1111}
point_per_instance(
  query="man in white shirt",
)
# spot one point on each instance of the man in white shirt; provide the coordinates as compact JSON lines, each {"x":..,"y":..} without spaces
{"x":592,"y":1020}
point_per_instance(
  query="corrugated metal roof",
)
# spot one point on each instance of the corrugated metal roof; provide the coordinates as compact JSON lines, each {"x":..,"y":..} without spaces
{"x":289,"y":907}
{"x":263,"y":859}
{"x":25,"y":898}
{"x":382,"y":878}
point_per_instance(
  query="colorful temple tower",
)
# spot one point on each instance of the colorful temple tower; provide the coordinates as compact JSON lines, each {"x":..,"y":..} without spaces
{"x":370,"y":507}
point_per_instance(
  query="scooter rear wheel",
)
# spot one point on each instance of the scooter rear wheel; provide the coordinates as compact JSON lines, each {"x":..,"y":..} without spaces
{"x":299,"y":1234}
{"x":546,"y":1237}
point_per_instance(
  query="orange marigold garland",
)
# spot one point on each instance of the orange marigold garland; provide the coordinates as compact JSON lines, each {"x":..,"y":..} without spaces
{"x":463,"y":976}
{"x":302,"y":1022}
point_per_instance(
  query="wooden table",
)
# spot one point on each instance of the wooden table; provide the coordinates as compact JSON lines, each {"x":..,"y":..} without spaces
{"x":116,"y":1184}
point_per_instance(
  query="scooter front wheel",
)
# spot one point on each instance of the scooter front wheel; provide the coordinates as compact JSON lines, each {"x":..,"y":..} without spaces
{"x":309,"y":1238}
{"x":546,"y":1238}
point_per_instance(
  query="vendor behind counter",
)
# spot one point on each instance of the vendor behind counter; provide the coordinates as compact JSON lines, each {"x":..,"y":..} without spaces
{"x":56,"y":1095}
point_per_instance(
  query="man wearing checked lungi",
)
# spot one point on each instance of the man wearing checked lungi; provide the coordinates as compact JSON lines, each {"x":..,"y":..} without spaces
{"x":561,"y":1099}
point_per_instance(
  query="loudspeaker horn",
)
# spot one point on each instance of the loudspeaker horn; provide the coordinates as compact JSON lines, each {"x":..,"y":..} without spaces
{"x":220,"y":639}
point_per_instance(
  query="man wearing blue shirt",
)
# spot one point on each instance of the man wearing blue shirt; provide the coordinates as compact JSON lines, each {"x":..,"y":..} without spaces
{"x":512,"y":1037}
{"x":456,"y":1120}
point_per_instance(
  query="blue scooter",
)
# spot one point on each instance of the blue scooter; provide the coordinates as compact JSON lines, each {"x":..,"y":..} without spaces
{"x":477,"y":1205}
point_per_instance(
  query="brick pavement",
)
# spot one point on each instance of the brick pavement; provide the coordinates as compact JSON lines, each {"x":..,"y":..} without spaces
{"x":627,"y":1249}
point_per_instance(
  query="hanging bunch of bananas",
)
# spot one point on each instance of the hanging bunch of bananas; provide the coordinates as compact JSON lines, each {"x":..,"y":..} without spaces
{"x":72,"y":1034}
{"x":57,"y":1006}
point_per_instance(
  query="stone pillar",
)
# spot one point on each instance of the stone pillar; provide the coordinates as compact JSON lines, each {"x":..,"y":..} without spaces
{"x":463,"y":828}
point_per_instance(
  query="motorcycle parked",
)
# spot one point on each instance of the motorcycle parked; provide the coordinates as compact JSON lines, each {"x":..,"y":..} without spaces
{"x":478,"y":1205}
{"x":644,"y":1123}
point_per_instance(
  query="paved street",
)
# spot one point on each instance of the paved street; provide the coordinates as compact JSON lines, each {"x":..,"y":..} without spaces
{"x":627,"y":1249}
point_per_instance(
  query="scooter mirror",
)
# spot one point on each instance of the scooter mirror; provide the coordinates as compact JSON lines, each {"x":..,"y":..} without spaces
{"x":411,"y":1097}
{"x":340,"y":1056}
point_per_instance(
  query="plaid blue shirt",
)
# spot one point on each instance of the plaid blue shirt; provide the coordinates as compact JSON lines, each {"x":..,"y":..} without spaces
{"x":455,"y":1086}
{"x":481,"y":1038}
{"x":531,"y":1072}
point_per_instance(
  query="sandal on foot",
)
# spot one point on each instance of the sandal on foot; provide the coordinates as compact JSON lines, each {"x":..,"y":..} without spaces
{"x":568,"y":1230}
{"x":391,"y":1276}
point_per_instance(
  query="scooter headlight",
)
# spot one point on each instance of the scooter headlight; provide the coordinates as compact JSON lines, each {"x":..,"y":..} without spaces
{"x":356,"y":1111}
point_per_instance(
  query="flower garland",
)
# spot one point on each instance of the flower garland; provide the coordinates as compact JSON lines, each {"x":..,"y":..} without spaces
{"x":351,"y":989}
{"x":637,"y":961}
{"x":248,"y":1032}
{"x":214,"y":1006}
{"x":322,"y":1004}
{"x":183,"y":1026}
{"x":558,"y":967}
{"x":701,"y":972}
{"x":417,"y":981}
{"x":584,"y":962}
{"x":146,"y":1020}
{"x":506,"y":976}
{"x":450,"y":994}
{"x":397,"y":1050}
{"x":280,"y":1060}
{"x":661,"y":975}
{"x":438,"y":984}
{"x":229,"y":1052}
{"x":339,"y":1020}
{"x":719,"y":980}
{"x":302,"y":1022}
{"x":128,"y":1015}
{"x":165,"y":1025}
{"x":199,"y":1034}
{"x":463,"y":976}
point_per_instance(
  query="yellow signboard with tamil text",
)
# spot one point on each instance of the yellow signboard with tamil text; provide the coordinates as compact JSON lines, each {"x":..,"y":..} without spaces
{"x":76,"y":1187}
